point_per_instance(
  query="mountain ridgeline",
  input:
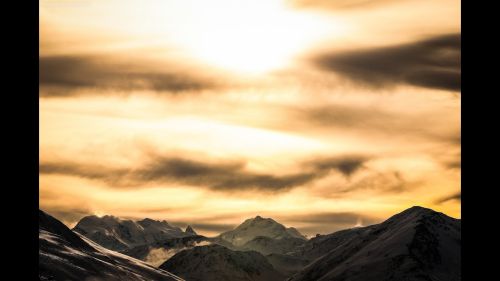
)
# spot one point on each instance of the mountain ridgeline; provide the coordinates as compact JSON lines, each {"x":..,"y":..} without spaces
{"x":259,"y":227}
{"x":119,"y":234}
{"x":416,"y":244}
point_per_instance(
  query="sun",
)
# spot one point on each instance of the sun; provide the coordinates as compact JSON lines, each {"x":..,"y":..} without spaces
{"x":255,"y":36}
{"x":252,"y":36}
{"x":245,"y":36}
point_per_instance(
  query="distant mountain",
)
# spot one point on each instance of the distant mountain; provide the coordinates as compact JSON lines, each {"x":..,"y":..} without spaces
{"x":119,"y":234}
{"x":258,"y":226}
{"x":190,"y":230}
{"x":218,"y":263}
{"x":65,"y":255}
{"x":416,"y":244}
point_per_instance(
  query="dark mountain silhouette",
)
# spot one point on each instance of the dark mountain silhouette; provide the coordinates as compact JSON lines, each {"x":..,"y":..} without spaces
{"x":190,"y":230}
{"x":65,"y":255}
{"x":287,"y":265}
{"x":266,"y":245}
{"x":416,"y":244}
{"x":218,"y":263}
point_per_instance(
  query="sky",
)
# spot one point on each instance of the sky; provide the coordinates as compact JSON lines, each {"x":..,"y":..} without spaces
{"x":323,"y":115}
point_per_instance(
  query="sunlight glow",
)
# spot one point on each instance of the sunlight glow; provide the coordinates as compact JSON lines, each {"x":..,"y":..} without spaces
{"x":254,"y":36}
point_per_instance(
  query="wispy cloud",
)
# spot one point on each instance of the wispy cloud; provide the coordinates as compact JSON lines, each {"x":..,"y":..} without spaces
{"x":69,"y":216}
{"x":453,"y":197}
{"x":328,"y":222}
{"x":347,"y":165}
{"x":336,"y":5}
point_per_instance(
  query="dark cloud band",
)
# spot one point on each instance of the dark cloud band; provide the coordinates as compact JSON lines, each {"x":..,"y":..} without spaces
{"x":76,"y":72}
{"x":453,"y":197}
{"x":224,"y":176}
{"x":431,"y":63}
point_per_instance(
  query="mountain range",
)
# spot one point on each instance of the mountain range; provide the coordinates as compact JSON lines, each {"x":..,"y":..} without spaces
{"x":66,"y":255}
{"x":119,"y":234}
{"x":416,"y":244}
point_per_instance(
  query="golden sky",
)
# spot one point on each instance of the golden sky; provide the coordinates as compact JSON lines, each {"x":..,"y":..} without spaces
{"x":320,"y":114}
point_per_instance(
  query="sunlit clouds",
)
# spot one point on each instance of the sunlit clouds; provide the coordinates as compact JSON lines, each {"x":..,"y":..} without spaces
{"x":319,"y":114}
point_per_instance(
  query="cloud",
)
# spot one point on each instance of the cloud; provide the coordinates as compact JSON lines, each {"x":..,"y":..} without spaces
{"x":217,"y":176}
{"x":328,"y":222}
{"x":86,"y":171}
{"x":331,"y":217}
{"x":457,"y":164}
{"x":384,"y":182}
{"x":453,"y":197}
{"x":431,"y":63}
{"x":347,"y":165}
{"x":370,"y":181}
{"x":375,"y":121}
{"x":76,"y":72}
{"x":222,"y":176}
{"x":337,"y":4}
{"x":69,"y":216}
{"x":206,"y":227}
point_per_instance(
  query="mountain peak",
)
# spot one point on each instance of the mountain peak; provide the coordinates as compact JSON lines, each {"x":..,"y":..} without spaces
{"x":190,"y":230}
{"x":415,"y":211}
{"x":420,"y":209}
{"x":425,"y":243}
{"x":259,"y":226}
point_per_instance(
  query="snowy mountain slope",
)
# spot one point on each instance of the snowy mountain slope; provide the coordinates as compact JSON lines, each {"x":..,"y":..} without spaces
{"x":218,"y":263}
{"x":416,"y":244}
{"x":258,"y":226}
{"x":119,"y":234}
{"x":65,"y":255}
